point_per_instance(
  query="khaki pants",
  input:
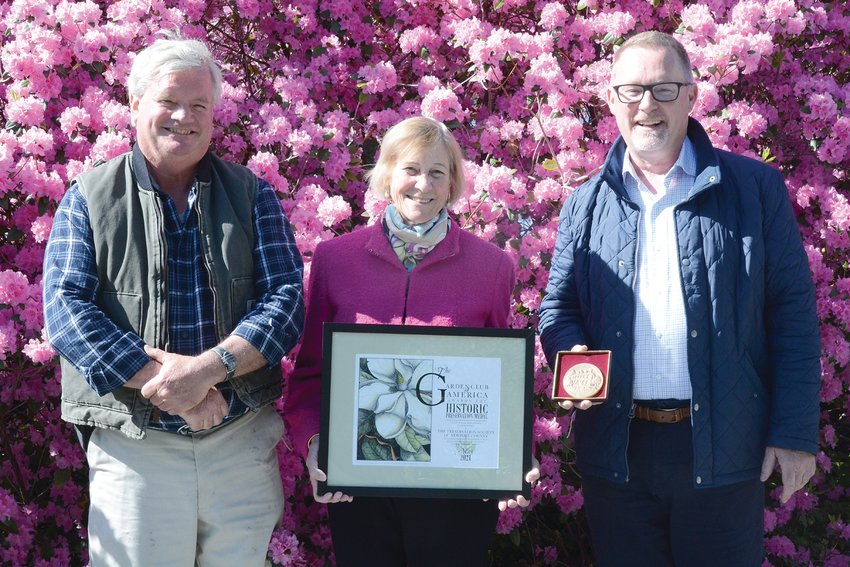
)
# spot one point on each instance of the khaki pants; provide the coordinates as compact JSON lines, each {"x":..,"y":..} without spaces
{"x":210,"y":499}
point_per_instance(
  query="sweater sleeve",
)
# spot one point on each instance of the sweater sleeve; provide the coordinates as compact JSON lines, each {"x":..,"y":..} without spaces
{"x":502,"y":293}
{"x":303,"y":401}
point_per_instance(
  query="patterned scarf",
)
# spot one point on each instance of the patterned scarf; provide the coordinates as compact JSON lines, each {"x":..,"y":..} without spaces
{"x":411,"y":243}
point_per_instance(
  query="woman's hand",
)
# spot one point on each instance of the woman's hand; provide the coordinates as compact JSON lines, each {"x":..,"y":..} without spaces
{"x":530,"y":477}
{"x":318,"y":475}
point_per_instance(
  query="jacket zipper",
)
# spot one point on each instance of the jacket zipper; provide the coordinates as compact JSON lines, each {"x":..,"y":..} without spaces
{"x":201,"y":231}
{"x":163,"y":262}
{"x":634,"y":316}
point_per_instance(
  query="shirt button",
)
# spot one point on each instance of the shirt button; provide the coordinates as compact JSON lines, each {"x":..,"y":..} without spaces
{"x":694,"y":334}
{"x":619,"y":405}
{"x":657,"y":335}
{"x":712,"y":178}
{"x":621,"y":263}
{"x":619,"y":334}
{"x":699,"y":480}
{"x":658,"y":376}
{"x":696,"y":407}
{"x":686,"y":262}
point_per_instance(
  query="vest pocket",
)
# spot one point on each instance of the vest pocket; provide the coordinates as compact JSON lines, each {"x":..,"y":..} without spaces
{"x":242,"y":298}
{"x":124,"y":309}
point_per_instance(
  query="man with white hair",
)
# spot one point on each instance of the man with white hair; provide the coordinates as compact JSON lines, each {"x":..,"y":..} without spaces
{"x":172,"y":289}
{"x":686,"y":262}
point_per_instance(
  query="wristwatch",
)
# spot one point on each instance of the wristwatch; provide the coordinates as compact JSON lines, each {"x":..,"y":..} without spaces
{"x":228,"y":360}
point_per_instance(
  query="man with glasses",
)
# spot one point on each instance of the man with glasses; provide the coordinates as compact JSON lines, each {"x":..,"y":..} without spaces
{"x":686,"y":262}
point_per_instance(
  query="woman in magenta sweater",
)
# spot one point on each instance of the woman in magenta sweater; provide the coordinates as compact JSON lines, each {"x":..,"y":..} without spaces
{"x":414,"y":267}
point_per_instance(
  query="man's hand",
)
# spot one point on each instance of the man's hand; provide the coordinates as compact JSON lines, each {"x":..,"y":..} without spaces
{"x":531,"y":477}
{"x":569,"y":404}
{"x":317,"y":474}
{"x":183,"y":381}
{"x":147,"y":373}
{"x":797,"y":467}
{"x":207,"y":414}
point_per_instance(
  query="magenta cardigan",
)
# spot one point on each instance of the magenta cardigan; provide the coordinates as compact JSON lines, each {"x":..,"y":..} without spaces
{"x":357,"y":278}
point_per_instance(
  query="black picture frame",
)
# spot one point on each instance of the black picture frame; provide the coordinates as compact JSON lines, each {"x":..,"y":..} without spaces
{"x":381,"y":384}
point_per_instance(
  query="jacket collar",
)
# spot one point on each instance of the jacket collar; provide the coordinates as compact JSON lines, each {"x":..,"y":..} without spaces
{"x":143,"y":176}
{"x":708,"y":168}
{"x":378,"y":244}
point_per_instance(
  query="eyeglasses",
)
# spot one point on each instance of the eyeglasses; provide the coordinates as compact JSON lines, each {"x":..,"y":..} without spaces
{"x":661,"y":92}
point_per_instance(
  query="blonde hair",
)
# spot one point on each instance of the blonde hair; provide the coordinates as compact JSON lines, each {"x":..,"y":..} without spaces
{"x":166,"y":56}
{"x":416,"y":133}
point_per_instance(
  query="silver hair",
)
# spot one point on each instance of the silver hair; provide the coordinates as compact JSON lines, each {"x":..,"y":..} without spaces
{"x":659,"y":40}
{"x":169,"y":55}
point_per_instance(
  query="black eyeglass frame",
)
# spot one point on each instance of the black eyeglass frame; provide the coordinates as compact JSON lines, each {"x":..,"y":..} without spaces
{"x":651,"y":89}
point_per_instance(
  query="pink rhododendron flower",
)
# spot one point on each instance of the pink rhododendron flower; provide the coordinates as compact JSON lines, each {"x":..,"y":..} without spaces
{"x":300,"y":141}
{"x":333,"y":210}
{"x":38,"y":351}
{"x":378,"y":78}
{"x":27,"y":111}
{"x":36,"y":141}
{"x":779,"y":546}
{"x":109,"y":145}
{"x":74,"y":119}
{"x":413,"y":40}
{"x":284,"y":548}
{"x":442,"y":104}
{"x":14,"y":287}
{"x":552,"y":16}
{"x":40,"y":228}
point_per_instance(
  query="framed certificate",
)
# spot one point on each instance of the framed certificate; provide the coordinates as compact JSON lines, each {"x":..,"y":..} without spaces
{"x":441,"y":412}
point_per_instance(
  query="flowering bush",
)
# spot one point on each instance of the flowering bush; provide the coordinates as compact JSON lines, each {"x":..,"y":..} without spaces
{"x":310,"y":87}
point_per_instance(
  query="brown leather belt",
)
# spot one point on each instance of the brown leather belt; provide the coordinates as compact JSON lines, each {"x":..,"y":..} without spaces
{"x":662,"y":415}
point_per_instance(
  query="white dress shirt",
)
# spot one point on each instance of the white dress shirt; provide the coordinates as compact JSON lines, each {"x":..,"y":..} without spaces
{"x":660,"y":349}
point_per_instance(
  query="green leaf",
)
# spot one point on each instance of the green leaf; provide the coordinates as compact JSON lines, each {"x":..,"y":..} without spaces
{"x":609,"y":38}
{"x":362,"y":97}
{"x":421,"y":456}
{"x":550,"y":164}
{"x":497,"y":5}
{"x":365,"y":423}
{"x":374,"y":451}
{"x":407,"y":440}
{"x":424,"y":53}
{"x":581,"y":5}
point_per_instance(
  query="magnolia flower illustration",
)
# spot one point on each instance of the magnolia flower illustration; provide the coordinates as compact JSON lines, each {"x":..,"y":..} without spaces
{"x":392,"y":396}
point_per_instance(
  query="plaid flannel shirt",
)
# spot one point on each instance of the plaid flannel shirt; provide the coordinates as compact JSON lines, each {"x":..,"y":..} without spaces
{"x":109,"y":356}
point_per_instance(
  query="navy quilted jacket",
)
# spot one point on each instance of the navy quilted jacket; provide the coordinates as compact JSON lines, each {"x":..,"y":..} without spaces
{"x":753,"y":338}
